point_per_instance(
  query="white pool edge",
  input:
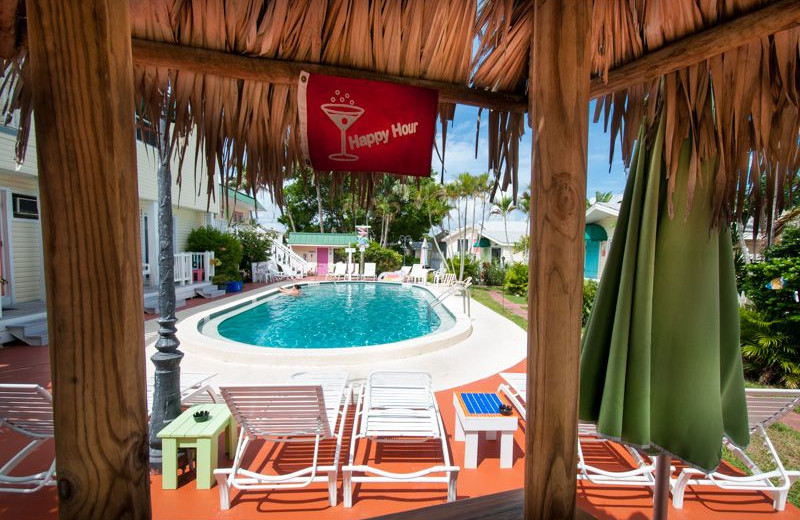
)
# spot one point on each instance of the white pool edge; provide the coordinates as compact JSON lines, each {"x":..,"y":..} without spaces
{"x":225,"y":350}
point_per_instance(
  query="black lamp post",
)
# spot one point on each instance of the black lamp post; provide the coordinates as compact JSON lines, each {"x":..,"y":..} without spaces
{"x":404,"y":241}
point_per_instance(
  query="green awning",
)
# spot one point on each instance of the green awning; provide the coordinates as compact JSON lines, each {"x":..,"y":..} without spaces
{"x":595,"y":233}
{"x":483,"y":242}
{"x":322,"y":239}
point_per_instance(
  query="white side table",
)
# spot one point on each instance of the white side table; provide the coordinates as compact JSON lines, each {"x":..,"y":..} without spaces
{"x":469,"y":425}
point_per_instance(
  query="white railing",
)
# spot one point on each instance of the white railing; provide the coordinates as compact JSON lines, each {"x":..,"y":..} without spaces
{"x":183,"y":268}
{"x":288,"y":259}
{"x":187,"y":264}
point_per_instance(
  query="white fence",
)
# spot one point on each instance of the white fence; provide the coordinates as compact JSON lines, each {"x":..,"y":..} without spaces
{"x":187,"y":265}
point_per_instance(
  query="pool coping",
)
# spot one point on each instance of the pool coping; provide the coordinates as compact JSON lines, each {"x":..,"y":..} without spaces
{"x":193,"y":340}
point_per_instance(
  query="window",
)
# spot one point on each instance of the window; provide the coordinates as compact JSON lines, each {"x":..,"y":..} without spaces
{"x":145,"y":132}
{"x":25,"y":206}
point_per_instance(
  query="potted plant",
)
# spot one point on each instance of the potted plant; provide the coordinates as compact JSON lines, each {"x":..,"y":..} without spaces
{"x":221,"y":281}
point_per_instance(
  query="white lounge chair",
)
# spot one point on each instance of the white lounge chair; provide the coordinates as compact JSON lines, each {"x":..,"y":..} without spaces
{"x":406,"y":271}
{"x":28,"y":410}
{"x":194,"y":389}
{"x":339,"y":272}
{"x":642,"y":474}
{"x":418,"y":274}
{"x":275,"y":274}
{"x":369,"y":271}
{"x":310,"y":408}
{"x":764,"y":407}
{"x":398,"y":407}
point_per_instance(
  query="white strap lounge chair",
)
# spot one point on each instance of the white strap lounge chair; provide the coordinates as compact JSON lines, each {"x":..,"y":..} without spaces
{"x":406,"y":271}
{"x":275,"y":274}
{"x":339,"y":271}
{"x":764,"y":407}
{"x":418,"y":274}
{"x":398,"y":407}
{"x":642,"y":474}
{"x":369,"y":271}
{"x":194,"y":387}
{"x":310,"y":408}
{"x":27,"y":410}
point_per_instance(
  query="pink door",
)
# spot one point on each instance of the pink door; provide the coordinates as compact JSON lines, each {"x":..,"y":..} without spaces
{"x":322,"y":260}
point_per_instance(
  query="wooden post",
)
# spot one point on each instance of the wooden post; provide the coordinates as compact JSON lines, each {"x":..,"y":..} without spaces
{"x":559,"y":97}
{"x":80,"y":56}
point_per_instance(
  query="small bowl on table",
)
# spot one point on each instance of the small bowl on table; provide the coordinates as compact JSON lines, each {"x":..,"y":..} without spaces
{"x":201,"y":416}
{"x":505,"y":409}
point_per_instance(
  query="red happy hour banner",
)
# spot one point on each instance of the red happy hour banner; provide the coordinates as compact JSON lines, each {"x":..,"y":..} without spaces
{"x":360,"y":125}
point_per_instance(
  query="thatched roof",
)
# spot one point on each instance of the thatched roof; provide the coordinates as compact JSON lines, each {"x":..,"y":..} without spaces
{"x":739,"y":108}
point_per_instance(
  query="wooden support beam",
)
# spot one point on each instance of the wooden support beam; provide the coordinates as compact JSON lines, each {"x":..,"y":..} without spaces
{"x":224,"y":64}
{"x":82,"y":81}
{"x":559,"y":97}
{"x":693,"y":49}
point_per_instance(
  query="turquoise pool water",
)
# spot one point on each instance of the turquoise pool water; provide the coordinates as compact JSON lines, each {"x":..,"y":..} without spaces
{"x":338,"y":315}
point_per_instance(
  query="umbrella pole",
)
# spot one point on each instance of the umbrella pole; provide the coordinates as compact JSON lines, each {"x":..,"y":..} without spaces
{"x":661,"y":496}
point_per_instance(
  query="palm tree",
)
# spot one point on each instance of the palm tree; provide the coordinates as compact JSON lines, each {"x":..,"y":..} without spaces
{"x":504,"y":208}
{"x":430,"y":197}
{"x":452,"y":192}
{"x":524,"y":206}
{"x":466,"y":189}
{"x":600,"y":196}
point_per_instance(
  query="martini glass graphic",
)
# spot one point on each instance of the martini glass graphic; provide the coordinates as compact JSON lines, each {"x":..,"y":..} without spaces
{"x":343,"y":116}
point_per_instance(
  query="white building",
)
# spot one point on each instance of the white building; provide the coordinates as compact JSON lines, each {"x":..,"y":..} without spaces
{"x":21,"y":258}
{"x":494,"y":243}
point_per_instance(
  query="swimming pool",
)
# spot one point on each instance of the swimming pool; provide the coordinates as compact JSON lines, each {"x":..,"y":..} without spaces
{"x":334,"y":316}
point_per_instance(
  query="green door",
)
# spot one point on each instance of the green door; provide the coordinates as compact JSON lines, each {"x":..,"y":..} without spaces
{"x":592,"y":259}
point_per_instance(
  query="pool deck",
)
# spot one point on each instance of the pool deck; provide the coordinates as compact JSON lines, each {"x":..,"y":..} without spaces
{"x":454,"y":370}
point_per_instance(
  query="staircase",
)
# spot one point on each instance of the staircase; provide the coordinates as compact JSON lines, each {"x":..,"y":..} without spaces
{"x":32,"y":332}
{"x":289,"y":260}
{"x":209,"y":291}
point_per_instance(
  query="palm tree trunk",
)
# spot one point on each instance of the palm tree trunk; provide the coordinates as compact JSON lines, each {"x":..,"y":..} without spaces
{"x":433,"y":238}
{"x":472,"y":233}
{"x":319,"y":206}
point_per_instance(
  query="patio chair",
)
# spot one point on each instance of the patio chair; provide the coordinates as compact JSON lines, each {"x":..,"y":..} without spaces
{"x":194,"y":389}
{"x":369,"y":271}
{"x":418,"y":274}
{"x":397,"y":407}
{"x":339,"y":272}
{"x":764,"y":407}
{"x":310,"y":408}
{"x":406,"y":271}
{"x":275,"y":274}
{"x":642,"y":474}
{"x":260,"y":272}
{"x":27,"y":410}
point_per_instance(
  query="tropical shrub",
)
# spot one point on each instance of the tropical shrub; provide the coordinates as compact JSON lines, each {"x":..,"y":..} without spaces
{"x":778,"y":305}
{"x":227,"y":250}
{"x":471,"y":267}
{"x":492,"y":274}
{"x":767,"y":353}
{"x":385,"y":259}
{"x":256,"y":246}
{"x":517,"y":279}
{"x":589,"y":294}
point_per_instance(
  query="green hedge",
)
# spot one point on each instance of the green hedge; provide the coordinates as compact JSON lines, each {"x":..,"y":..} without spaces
{"x":227,"y":251}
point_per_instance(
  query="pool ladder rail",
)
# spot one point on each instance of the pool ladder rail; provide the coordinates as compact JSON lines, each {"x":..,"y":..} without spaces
{"x":462,"y":287}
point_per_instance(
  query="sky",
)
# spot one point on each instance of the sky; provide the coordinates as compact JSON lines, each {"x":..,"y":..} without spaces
{"x":460,"y":153}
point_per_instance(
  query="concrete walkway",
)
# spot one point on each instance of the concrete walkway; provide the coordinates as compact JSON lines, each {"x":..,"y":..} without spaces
{"x":516,"y":308}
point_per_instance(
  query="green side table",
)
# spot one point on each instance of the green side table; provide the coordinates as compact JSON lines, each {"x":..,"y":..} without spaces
{"x":185,"y":432}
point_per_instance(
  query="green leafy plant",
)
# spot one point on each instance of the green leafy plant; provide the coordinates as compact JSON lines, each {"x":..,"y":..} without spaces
{"x":471,"y":267}
{"x":227,"y":250}
{"x":517,"y":279}
{"x":492,"y":274}
{"x":256,"y":246}
{"x":385,"y":259}
{"x":769,"y":356}
{"x":589,"y":294}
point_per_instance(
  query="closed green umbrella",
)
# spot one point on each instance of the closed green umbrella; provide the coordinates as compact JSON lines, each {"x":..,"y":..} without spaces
{"x":661,"y":366}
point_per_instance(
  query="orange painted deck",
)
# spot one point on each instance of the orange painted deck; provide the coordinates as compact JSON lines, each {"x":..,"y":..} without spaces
{"x":31,"y":365}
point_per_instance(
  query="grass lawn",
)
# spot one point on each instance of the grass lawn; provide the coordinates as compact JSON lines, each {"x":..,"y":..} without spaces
{"x":787,"y":443}
{"x":481,"y":295}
